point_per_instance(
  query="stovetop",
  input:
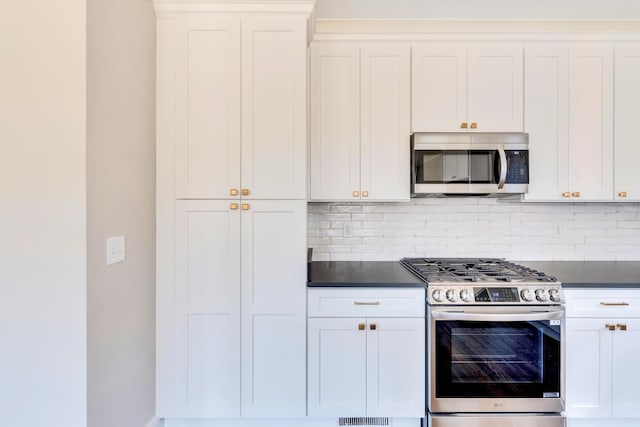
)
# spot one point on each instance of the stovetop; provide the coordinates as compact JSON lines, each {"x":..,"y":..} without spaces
{"x":483,"y":281}
{"x":473,"y":270}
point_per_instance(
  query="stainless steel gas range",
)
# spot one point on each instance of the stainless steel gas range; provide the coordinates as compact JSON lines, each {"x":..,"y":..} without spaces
{"x":495,"y":345}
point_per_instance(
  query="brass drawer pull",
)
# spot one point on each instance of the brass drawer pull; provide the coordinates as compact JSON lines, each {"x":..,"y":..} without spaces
{"x":474,"y":125}
{"x":365,"y":194}
{"x":622,"y":327}
{"x":366,"y":303}
{"x":575,"y":194}
{"x":233,"y":192}
{"x":356,"y":194}
{"x":245,"y":207}
{"x":566,"y":194}
{"x":245,"y":192}
{"x":622,"y":194}
{"x":233,"y":206}
{"x":373,"y":326}
{"x":610,"y":327}
{"x":463,"y":125}
{"x":361,"y":326}
{"x":614,"y":304}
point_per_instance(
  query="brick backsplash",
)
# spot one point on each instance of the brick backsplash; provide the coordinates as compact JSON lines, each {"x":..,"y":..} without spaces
{"x":474,"y":227}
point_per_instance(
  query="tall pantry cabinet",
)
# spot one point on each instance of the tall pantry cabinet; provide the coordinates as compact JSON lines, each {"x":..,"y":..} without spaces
{"x":231,"y":208}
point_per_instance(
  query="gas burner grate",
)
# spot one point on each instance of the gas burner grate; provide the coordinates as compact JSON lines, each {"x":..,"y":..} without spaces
{"x":464,"y":270}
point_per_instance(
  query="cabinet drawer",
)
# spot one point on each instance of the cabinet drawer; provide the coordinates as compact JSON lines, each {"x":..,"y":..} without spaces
{"x":367,"y":302}
{"x":603,"y":302}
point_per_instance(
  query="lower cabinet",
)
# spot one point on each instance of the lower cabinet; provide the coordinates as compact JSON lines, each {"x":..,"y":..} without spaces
{"x":363,"y":358}
{"x":603,"y":336}
{"x":237,"y":345}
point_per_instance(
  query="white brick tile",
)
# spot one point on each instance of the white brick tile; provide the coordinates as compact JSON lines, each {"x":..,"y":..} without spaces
{"x":345,"y":208}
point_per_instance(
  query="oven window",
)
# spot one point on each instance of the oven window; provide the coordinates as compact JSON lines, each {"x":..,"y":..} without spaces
{"x":497,"y":359}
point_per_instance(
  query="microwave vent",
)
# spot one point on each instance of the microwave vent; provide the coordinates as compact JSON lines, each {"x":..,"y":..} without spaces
{"x":364,"y":421}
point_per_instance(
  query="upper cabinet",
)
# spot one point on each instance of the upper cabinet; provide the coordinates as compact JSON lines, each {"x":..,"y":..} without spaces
{"x":627,"y":138}
{"x":569,"y":118}
{"x":467,"y":89}
{"x":359,"y":148}
{"x":240,"y":107}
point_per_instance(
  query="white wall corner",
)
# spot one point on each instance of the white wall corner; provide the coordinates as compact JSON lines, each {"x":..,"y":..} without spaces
{"x":155,"y":422}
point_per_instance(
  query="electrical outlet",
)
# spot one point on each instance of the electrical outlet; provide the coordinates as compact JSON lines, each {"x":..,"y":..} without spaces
{"x":115,"y":250}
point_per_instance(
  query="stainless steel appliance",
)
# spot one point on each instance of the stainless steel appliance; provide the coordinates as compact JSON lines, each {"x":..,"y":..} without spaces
{"x":469,"y":164}
{"x":495,"y":343}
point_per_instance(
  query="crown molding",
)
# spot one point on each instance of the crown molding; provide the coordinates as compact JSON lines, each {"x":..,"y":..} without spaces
{"x":297,"y":7}
{"x":390,"y":30}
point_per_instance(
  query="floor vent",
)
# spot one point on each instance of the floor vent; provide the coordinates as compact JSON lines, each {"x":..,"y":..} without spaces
{"x":363,"y":421}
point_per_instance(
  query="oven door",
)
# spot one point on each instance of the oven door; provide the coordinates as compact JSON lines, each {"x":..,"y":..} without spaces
{"x":496,"y":359}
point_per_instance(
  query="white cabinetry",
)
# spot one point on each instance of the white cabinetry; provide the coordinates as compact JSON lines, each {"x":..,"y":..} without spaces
{"x":366,"y":352}
{"x":569,"y":118}
{"x":217,"y":100}
{"x":231,"y":133}
{"x":627,"y":138}
{"x":603,"y":331}
{"x":459,"y":89}
{"x":359,"y":147}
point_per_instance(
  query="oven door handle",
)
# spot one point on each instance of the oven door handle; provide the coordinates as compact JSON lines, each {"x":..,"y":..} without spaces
{"x":503,"y":168}
{"x":494,"y":317}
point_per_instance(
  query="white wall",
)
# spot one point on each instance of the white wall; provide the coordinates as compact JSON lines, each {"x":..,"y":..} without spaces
{"x":474,"y":227}
{"x":121,"y":201}
{"x":475,"y":9}
{"x":42,"y":214}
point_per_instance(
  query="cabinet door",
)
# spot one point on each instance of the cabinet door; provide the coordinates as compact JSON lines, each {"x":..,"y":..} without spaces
{"x":335,"y":122}
{"x":337,"y":371}
{"x":439,"y":91}
{"x":384,"y":144}
{"x":588,"y":365}
{"x":208,"y":309}
{"x":274,"y":108}
{"x":395,"y":367}
{"x":547,"y":120}
{"x":274,"y":308}
{"x":627,"y":105}
{"x":207,"y":107}
{"x":495,"y":88}
{"x":591,"y":123}
{"x":626,"y":375}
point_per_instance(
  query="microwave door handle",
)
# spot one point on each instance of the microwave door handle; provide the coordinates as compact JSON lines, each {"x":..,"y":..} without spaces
{"x":494,"y":317}
{"x":503,"y":168}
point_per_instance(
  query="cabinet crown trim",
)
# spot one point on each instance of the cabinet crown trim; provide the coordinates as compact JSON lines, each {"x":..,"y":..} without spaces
{"x":235,"y":6}
{"x":482,"y":29}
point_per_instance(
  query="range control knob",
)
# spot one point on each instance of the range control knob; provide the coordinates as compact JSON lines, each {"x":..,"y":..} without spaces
{"x":452,"y":296}
{"x":554,"y":295}
{"x":465,"y":295}
{"x":542,"y":295}
{"x":437,"y":295}
{"x":527,"y":295}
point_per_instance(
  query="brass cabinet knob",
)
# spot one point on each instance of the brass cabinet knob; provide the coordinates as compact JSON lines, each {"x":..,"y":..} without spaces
{"x":365,"y":194}
{"x":361,"y":326}
{"x":356,"y":194}
{"x":566,"y":194}
{"x":233,"y":206}
{"x":610,"y":327}
{"x":245,"y":192}
{"x":245,"y":206}
{"x":622,"y":194}
{"x":575,"y":194}
{"x":622,"y":327}
{"x":373,"y":326}
{"x":474,"y":125}
{"x":463,"y":125}
{"x":233,"y":191}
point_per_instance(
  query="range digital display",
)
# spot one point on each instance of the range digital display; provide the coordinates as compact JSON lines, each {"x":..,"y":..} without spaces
{"x":496,"y":294}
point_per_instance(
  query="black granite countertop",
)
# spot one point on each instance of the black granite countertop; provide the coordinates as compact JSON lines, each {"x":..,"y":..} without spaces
{"x":591,"y":274}
{"x":362,"y":274}
{"x":572,"y":274}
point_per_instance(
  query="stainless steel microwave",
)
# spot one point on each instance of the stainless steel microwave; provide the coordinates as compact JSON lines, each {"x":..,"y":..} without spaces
{"x":481,"y":164}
